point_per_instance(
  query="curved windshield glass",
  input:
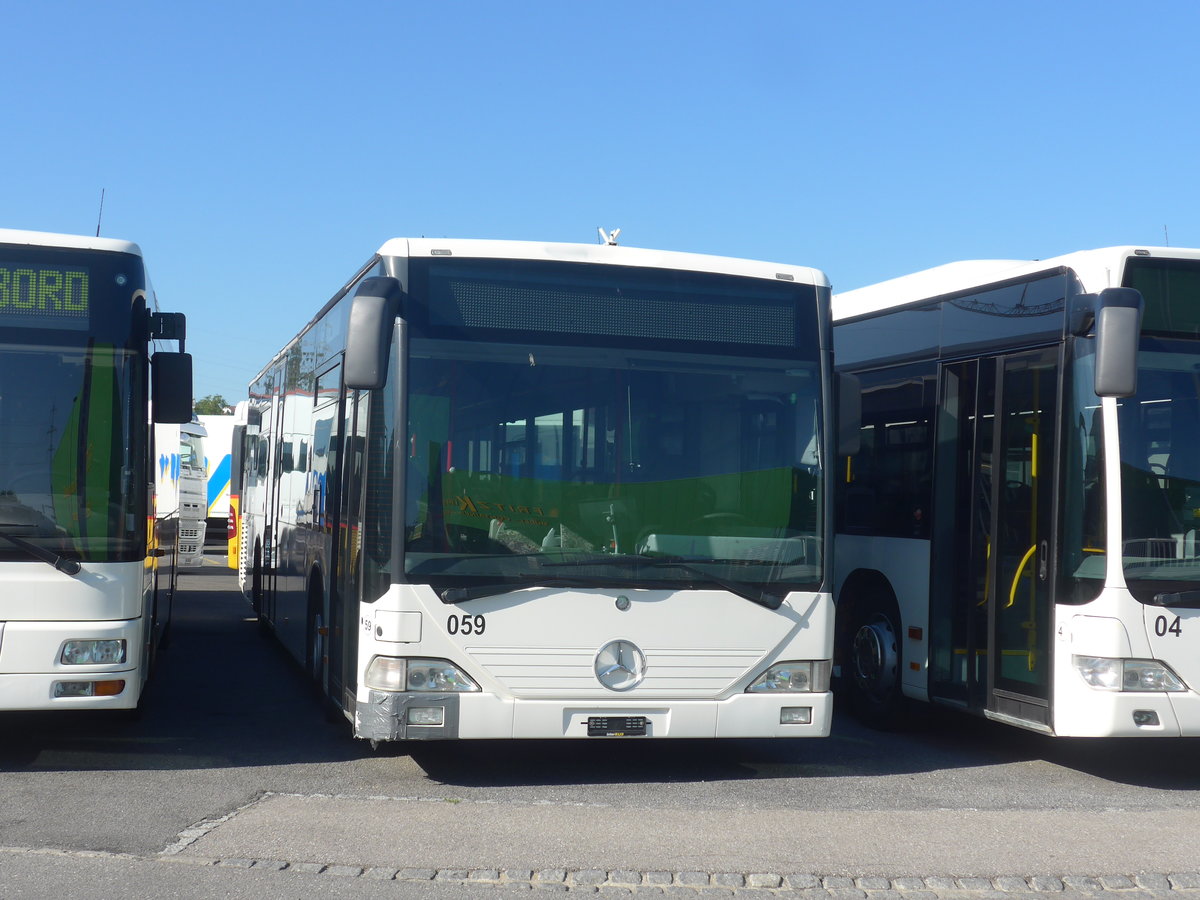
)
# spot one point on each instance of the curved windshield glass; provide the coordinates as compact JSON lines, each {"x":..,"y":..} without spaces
{"x":1084,"y":532}
{"x":66,"y":475}
{"x":72,"y":403}
{"x":191,"y":453}
{"x":552,"y":464}
{"x":1160,"y":470}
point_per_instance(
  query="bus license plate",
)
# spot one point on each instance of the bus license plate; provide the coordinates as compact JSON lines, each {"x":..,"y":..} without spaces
{"x":616,"y":726}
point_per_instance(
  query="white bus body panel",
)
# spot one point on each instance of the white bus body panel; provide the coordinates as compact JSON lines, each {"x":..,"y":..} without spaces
{"x":606,"y":254}
{"x":1096,"y":270}
{"x":1177,"y":643}
{"x":69,"y":241}
{"x":904,"y":562}
{"x":535,"y":660}
{"x":41,"y":608}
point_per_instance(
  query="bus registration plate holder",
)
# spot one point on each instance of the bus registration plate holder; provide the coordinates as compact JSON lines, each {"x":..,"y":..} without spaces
{"x":616,"y":726}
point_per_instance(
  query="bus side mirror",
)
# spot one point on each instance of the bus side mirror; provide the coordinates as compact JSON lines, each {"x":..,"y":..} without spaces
{"x":369,"y":332}
{"x":849,"y":414}
{"x":171,"y":387}
{"x":1118,"y":328}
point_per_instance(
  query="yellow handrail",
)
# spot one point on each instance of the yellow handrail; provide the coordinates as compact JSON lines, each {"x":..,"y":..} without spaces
{"x":1012,"y":594}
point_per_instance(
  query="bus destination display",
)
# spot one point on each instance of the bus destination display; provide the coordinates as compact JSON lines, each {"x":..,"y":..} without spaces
{"x":36,"y":296}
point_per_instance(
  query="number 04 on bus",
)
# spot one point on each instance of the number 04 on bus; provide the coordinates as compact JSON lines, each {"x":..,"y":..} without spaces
{"x":517,"y":490}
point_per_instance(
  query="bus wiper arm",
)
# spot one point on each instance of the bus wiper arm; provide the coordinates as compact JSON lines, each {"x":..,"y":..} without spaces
{"x":62,"y":563}
{"x":763,"y":598}
{"x":1177,"y":599}
{"x":451,"y":596}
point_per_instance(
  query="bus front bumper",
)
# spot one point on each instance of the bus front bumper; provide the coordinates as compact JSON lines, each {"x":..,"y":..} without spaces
{"x":385,"y":716}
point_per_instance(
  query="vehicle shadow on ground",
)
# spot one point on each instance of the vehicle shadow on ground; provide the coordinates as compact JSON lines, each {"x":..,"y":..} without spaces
{"x":938,"y":741}
{"x":221,"y":694}
{"x":852,"y":750}
{"x":1158,"y":763}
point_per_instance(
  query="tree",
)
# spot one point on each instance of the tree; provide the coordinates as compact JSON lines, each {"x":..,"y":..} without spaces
{"x":212,"y":405}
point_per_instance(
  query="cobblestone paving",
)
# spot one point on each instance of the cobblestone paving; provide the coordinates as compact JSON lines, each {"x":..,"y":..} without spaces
{"x":621,"y":882}
{"x":629,"y":882}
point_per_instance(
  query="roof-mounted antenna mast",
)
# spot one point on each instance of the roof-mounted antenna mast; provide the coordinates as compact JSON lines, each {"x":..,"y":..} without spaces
{"x":607,"y":238}
{"x":101,"y":215}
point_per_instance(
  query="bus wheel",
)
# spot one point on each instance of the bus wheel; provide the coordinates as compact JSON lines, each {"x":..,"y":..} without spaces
{"x":874,"y":658}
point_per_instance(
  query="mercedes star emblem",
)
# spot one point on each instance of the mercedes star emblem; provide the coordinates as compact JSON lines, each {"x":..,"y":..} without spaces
{"x":620,"y":665}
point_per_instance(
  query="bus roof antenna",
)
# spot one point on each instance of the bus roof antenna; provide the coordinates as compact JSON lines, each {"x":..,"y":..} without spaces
{"x":101,"y":215}
{"x":607,"y":238}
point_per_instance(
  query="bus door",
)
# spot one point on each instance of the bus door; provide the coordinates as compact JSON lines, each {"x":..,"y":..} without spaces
{"x":324,"y":487}
{"x":347,"y":565}
{"x":1020,"y":627}
{"x":990,"y":616}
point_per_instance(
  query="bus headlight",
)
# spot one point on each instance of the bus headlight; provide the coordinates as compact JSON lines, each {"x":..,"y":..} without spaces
{"x":92,"y":653}
{"x":793,"y":678}
{"x":1143,"y":675}
{"x":389,"y":673}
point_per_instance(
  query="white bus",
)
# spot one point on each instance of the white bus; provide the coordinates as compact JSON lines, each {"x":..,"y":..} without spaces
{"x":523,"y":490}
{"x":1017,"y":529}
{"x":87,"y":572}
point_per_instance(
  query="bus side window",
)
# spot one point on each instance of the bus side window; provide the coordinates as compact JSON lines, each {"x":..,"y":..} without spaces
{"x":885,"y":488}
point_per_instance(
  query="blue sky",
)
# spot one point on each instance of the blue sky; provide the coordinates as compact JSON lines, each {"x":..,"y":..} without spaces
{"x":259,"y":152}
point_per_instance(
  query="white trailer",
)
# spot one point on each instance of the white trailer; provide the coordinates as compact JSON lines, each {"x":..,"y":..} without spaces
{"x":217,"y":447}
{"x":180,"y":485}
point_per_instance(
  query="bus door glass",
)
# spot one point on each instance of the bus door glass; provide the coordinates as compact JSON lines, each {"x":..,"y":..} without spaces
{"x":323,"y":497}
{"x":962,"y":533}
{"x":343,"y":614}
{"x":1019,"y":605}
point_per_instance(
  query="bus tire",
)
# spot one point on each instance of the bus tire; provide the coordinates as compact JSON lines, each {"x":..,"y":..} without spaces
{"x":873,"y":655}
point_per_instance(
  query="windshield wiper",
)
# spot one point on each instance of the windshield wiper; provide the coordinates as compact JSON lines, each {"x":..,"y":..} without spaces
{"x":451,"y":596}
{"x":1177,"y":599}
{"x":62,"y":563}
{"x":745,"y":591}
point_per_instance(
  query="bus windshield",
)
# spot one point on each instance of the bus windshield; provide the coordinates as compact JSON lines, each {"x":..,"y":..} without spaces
{"x":1160,"y":469}
{"x":65,"y":472}
{"x":191,"y":453}
{"x":69,"y":432}
{"x":528,"y":463}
